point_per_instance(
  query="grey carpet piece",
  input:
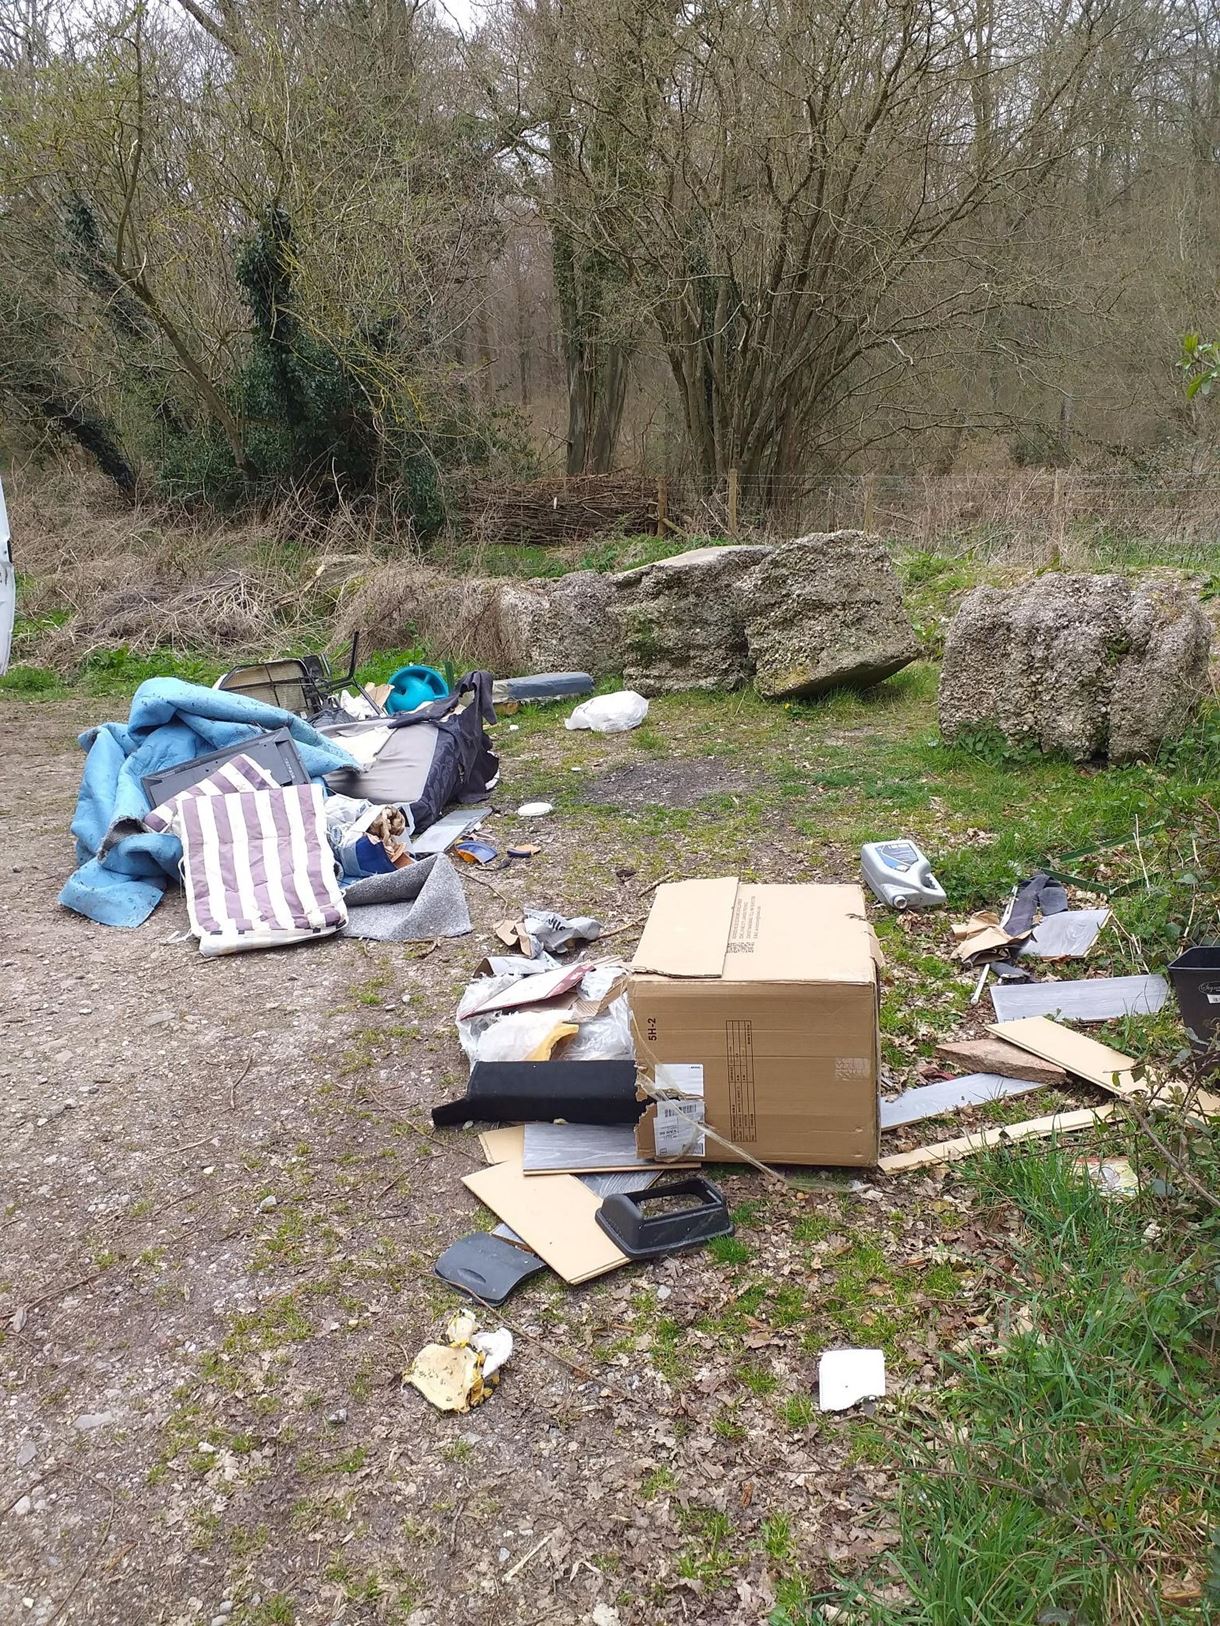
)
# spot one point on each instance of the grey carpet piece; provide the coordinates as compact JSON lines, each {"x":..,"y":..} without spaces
{"x":1092,"y":999}
{"x":396,"y":886}
{"x":413,"y":905}
{"x":930,"y":1100}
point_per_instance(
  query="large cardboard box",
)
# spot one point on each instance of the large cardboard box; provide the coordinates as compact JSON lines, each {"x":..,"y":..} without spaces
{"x":764,"y":999}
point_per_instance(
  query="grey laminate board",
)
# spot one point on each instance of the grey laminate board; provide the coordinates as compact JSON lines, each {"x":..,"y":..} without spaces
{"x":930,"y":1100}
{"x":439,"y":837}
{"x":1092,"y":999}
{"x":581,"y":1149}
{"x":1069,"y":935}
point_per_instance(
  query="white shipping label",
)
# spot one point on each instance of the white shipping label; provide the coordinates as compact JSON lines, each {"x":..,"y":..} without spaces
{"x":678,"y":1128}
{"x":686,"y":1077}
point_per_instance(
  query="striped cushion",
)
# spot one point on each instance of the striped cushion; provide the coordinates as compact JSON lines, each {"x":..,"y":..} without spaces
{"x":256,"y":863}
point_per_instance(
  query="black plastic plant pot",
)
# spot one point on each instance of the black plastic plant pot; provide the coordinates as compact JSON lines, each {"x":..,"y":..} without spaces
{"x":1195,"y":976}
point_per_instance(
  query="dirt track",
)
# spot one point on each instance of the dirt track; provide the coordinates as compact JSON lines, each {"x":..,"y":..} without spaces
{"x":203,"y":1413}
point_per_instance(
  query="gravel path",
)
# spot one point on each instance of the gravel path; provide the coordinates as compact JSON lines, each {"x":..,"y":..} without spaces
{"x":221,"y":1200}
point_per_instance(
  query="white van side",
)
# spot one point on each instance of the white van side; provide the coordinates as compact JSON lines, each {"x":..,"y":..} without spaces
{"x":8,"y":586}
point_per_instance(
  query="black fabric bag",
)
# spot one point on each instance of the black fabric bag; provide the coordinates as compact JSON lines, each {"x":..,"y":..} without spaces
{"x":435,"y":756}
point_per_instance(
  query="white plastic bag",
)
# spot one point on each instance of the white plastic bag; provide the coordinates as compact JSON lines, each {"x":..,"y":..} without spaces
{"x":604,"y":1038}
{"x":610,"y":713}
{"x":512,"y":1035}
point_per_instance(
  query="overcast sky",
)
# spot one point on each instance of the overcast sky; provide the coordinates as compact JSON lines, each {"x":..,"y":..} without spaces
{"x":463,"y":13}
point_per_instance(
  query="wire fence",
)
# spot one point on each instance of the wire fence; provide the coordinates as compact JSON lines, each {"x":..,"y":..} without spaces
{"x":1036,"y":512}
{"x":1036,"y":508}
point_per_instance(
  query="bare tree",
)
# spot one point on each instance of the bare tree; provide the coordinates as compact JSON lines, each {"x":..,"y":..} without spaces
{"x":793,"y":191}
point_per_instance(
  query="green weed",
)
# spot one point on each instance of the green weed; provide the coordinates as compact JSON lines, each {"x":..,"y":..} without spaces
{"x":658,"y":1482}
{"x":709,"y":1558}
{"x":758,"y":1379}
{"x":799,"y":1412}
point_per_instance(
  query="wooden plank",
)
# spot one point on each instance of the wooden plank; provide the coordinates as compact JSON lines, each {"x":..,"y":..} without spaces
{"x":503,"y":1145}
{"x":554,"y":1215}
{"x":1086,"y":1058}
{"x":995,"y":1056}
{"x":1109,"y":1069}
{"x":950,"y":1151}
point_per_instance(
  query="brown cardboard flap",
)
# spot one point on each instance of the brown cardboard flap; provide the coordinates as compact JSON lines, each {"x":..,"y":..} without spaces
{"x":687,"y":930}
{"x":800,"y":934}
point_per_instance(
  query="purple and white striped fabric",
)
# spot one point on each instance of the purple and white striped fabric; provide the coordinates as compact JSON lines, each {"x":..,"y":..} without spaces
{"x":256,"y":863}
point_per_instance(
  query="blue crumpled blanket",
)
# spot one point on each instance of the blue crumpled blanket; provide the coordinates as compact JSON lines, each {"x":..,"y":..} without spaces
{"x":124,"y":868}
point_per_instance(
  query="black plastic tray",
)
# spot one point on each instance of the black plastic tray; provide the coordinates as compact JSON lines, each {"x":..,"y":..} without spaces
{"x":641,"y":1235}
{"x":487,"y":1267}
{"x":275,"y":751}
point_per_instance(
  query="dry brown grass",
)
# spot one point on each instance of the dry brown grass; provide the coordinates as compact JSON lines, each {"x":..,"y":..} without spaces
{"x":1036,"y":516}
{"x":145,"y":578}
{"x":96,"y":572}
{"x":471,"y":619}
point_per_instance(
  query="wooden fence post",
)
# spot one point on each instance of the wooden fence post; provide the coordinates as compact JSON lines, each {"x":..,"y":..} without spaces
{"x":1057,"y":519}
{"x":733,"y":482}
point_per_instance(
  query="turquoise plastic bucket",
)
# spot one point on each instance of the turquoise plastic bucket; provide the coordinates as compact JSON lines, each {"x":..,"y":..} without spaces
{"x":413,"y":686}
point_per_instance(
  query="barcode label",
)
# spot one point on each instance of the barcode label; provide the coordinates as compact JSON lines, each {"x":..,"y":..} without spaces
{"x":678,"y":1128}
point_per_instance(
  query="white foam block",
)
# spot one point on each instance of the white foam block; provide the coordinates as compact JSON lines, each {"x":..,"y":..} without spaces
{"x":847,"y":1376}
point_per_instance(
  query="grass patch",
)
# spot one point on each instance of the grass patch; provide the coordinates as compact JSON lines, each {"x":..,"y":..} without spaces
{"x":277,"y":1610}
{"x":1076,"y":1478}
{"x":758,"y":1379}
{"x":814,"y":1228}
{"x":709,"y":1557}
{"x":658,"y":1482}
{"x":728,"y":1250}
{"x":799,"y":1412}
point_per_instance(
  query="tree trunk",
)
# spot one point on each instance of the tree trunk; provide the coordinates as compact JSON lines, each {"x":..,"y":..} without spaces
{"x":596,"y":366}
{"x":597,"y":389}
